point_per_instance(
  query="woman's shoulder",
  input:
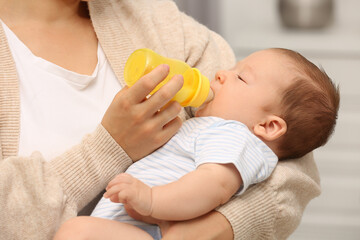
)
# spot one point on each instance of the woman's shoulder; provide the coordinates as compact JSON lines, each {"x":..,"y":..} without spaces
{"x":150,"y":24}
{"x":138,"y":12}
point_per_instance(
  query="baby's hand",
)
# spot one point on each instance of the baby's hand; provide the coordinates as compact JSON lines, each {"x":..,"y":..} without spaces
{"x":130,"y":191}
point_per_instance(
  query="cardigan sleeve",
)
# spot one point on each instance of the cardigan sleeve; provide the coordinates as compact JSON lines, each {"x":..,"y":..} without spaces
{"x":36,"y":196}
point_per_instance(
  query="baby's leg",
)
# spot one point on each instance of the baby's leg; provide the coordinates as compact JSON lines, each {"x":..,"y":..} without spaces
{"x":81,"y":228}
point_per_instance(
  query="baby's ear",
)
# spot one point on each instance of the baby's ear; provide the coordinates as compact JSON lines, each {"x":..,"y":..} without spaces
{"x":271,"y":128}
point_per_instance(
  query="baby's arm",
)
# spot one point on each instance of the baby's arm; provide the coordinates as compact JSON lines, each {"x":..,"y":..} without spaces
{"x":193,"y":195}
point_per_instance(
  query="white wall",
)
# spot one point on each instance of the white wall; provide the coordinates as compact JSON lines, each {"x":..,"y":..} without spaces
{"x":254,"y":24}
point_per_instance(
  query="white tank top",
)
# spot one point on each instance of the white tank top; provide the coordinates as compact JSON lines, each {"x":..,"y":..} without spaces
{"x":58,"y":107}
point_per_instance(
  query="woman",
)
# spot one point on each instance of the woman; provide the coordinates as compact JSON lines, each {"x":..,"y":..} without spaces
{"x":61,"y":70}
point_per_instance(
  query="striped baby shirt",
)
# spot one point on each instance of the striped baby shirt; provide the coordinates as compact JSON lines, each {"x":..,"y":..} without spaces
{"x":200,"y":140}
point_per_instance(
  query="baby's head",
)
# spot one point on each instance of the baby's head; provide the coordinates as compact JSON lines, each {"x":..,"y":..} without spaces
{"x":282,"y":97}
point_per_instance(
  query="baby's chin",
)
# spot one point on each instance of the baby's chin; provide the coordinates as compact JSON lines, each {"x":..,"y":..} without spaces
{"x":202,"y":111}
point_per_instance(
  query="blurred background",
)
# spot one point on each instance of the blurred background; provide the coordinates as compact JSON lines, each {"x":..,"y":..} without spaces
{"x":327,"y":32}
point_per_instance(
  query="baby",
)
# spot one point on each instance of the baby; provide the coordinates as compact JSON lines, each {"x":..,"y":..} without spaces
{"x":272,"y":105}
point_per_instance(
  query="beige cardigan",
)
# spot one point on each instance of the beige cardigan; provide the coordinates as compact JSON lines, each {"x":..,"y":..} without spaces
{"x":36,"y":195}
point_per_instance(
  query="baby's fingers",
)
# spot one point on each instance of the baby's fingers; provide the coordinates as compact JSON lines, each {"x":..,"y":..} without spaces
{"x":113,"y":191}
{"x":120,"y":193}
{"x":121,"y":178}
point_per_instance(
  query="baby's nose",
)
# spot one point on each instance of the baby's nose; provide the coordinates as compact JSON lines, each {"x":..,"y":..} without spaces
{"x":220,"y":76}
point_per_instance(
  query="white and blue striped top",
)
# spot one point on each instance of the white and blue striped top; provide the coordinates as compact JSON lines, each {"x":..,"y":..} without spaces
{"x":200,"y":140}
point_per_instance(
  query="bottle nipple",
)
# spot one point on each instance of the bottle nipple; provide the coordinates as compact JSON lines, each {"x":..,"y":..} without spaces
{"x":210,"y":97}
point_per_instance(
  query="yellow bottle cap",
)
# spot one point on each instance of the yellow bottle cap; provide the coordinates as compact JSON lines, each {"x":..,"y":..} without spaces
{"x":198,"y":91}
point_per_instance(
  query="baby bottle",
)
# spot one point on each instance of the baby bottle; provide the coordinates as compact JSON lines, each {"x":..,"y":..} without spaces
{"x":196,"y":88}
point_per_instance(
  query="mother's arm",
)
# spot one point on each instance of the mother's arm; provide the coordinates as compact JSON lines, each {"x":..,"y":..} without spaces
{"x":36,"y":195}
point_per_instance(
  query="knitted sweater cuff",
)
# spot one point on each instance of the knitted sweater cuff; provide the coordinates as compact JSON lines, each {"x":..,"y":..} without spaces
{"x":252,"y":214}
{"x":87,"y":168}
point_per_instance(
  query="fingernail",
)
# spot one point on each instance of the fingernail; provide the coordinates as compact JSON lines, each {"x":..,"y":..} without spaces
{"x":181,"y":77}
{"x":166,"y":67}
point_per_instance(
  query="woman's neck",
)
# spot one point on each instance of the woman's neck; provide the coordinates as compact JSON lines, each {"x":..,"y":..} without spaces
{"x":42,"y":11}
{"x":58,"y":31}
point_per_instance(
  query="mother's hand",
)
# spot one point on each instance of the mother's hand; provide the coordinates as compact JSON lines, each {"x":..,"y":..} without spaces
{"x":139,"y":126}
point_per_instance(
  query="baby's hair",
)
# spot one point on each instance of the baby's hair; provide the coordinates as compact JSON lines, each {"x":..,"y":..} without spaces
{"x":310,"y":108}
